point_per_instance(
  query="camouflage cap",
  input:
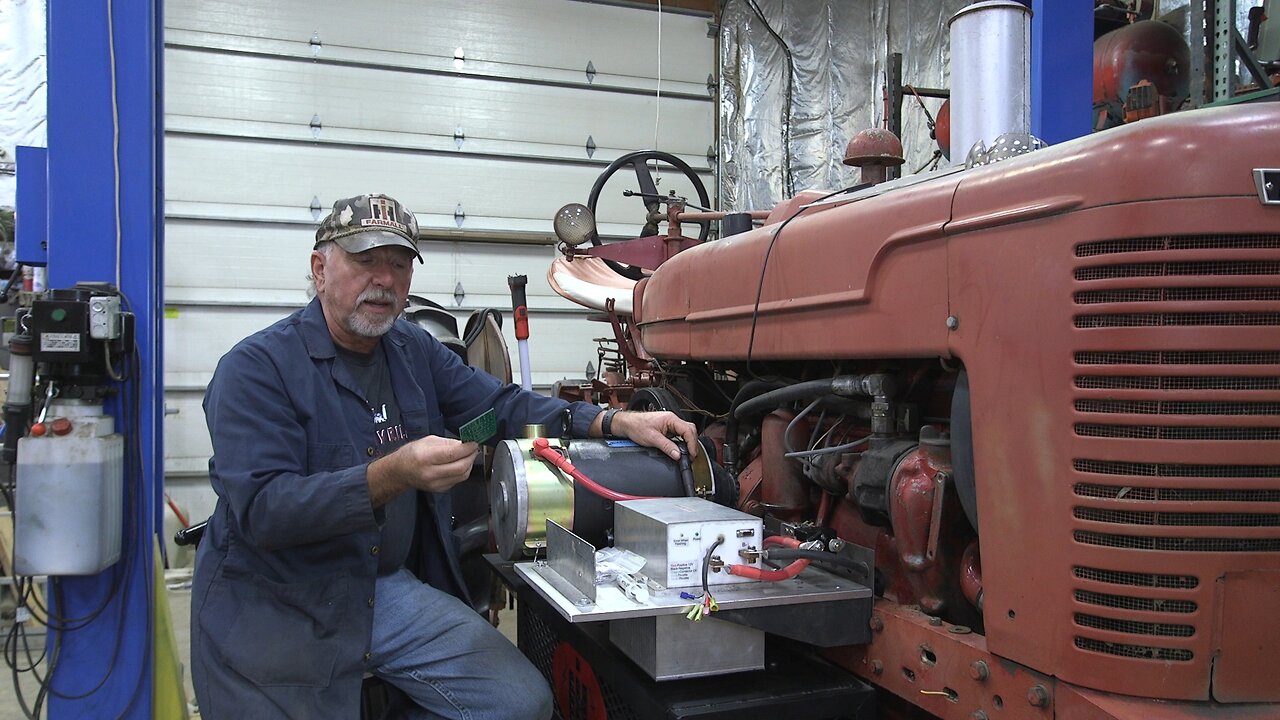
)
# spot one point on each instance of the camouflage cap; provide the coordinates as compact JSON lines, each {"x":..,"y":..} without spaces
{"x":365,"y":222}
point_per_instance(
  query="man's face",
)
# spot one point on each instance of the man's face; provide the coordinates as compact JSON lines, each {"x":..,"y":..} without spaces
{"x":363,"y":293}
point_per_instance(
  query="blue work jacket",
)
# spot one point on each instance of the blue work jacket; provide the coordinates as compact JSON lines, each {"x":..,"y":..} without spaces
{"x":283,"y":592}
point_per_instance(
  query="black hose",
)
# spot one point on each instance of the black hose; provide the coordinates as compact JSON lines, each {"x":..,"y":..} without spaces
{"x":842,"y":385}
{"x":744,"y":394}
{"x":815,"y":555}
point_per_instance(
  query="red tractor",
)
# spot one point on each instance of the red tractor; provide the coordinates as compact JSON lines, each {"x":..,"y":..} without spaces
{"x":1045,"y":390}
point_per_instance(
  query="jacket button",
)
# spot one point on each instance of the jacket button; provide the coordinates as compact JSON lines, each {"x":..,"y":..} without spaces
{"x":367,"y":656}
{"x":370,"y":451}
{"x":370,"y":601}
{"x":375,"y":550}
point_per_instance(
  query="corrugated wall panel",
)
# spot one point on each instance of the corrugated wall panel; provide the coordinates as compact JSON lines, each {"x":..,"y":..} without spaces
{"x":284,"y":95}
{"x":536,"y":37}
{"x":244,"y":164}
{"x":279,"y":180}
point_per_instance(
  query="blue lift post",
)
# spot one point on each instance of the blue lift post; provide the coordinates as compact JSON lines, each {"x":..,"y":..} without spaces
{"x":1061,"y":70}
{"x":32,"y":207}
{"x":96,"y":191}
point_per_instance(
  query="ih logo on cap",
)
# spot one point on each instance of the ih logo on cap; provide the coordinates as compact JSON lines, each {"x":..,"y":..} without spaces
{"x":383,"y":212}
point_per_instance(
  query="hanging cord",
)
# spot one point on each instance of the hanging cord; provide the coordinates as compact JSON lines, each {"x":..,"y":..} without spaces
{"x":933,"y":130}
{"x":115,"y":132}
{"x":764,"y":265}
{"x":788,"y":184}
{"x":927,"y":115}
{"x":657,"y":95}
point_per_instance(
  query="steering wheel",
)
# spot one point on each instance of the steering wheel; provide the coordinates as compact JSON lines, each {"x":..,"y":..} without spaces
{"x":638,"y":161}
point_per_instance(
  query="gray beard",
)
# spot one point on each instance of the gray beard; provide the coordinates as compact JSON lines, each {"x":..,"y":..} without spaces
{"x":365,"y":327}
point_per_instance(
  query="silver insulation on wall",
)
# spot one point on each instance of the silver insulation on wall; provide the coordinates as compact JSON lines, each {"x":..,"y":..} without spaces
{"x":22,"y":84}
{"x":839,"y":50}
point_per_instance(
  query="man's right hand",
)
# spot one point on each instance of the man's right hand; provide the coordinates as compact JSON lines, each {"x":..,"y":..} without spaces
{"x":432,"y":463}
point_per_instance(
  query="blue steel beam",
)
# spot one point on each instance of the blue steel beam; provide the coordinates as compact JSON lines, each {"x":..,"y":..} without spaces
{"x":32,"y":207}
{"x":1061,"y":69}
{"x":106,"y":209}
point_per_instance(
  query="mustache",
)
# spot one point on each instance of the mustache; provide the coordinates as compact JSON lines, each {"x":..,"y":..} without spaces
{"x":376,"y":295}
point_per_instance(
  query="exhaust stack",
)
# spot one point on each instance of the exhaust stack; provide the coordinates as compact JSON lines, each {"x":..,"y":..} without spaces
{"x":990,"y":74}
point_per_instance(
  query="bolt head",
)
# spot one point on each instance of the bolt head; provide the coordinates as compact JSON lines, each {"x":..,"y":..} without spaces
{"x":953,"y":322}
{"x":877,"y":667}
{"x":978,"y":670}
{"x":876,"y":623}
{"x":1038,"y":696}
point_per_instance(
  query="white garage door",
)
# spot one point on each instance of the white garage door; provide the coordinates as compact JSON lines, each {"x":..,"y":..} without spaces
{"x":482,"y":117}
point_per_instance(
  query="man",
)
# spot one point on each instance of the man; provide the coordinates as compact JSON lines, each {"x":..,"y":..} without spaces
{"x":326,"y":427}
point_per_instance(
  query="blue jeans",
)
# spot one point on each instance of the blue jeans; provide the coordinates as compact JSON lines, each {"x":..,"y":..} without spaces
{"x":448,"y":659}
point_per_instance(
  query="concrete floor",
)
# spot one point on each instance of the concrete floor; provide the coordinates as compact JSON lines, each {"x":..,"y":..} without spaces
{"x":178,"y":583}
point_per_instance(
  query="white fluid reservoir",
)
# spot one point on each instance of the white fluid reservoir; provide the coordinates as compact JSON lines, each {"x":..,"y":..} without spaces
{"x":70,"y":492}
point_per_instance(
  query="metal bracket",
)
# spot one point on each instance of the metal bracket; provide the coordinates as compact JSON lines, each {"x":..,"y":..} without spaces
{"x":1267,"y":181}
{"x":573,"y":562}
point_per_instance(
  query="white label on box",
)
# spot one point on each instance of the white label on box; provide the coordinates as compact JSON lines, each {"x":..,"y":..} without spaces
{"x":60,"y":342}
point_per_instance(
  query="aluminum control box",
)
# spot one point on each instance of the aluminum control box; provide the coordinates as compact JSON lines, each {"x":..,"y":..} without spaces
{"x":673,"y":535}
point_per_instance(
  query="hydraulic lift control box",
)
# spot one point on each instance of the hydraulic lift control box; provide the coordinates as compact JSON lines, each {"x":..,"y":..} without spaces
{"x":675,"y":535}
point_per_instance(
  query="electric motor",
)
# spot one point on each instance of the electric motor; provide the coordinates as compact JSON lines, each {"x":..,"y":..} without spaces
{"x":524,"y":490}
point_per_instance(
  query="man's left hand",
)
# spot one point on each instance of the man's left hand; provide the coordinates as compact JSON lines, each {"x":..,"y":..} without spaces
{"x":654,"y":429}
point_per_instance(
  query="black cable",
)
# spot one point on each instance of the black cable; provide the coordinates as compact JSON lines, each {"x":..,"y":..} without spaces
{"x":17,"y":686}
{"x":764,"y":266}
{"x":706,"y":565}
{"x":686,"y":470}
{"x":135,"y":506}
{"x":13,"y":277}
{"x":148,"y":573}
{"x":815,"y":555}
{"x":476,"y":329}
{"x":788,"y":183}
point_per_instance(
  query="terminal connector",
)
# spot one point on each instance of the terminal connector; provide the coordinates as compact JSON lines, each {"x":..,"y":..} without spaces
{"x":749,"y":553}
{"x":715,"y":563}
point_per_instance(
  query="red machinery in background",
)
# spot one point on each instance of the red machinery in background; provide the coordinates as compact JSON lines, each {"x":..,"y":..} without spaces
{"x":1046,"y":391}
{"x":1140,"y":70}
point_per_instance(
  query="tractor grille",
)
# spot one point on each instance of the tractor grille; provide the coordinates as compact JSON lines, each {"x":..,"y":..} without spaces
{"x":1207,"y":395}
